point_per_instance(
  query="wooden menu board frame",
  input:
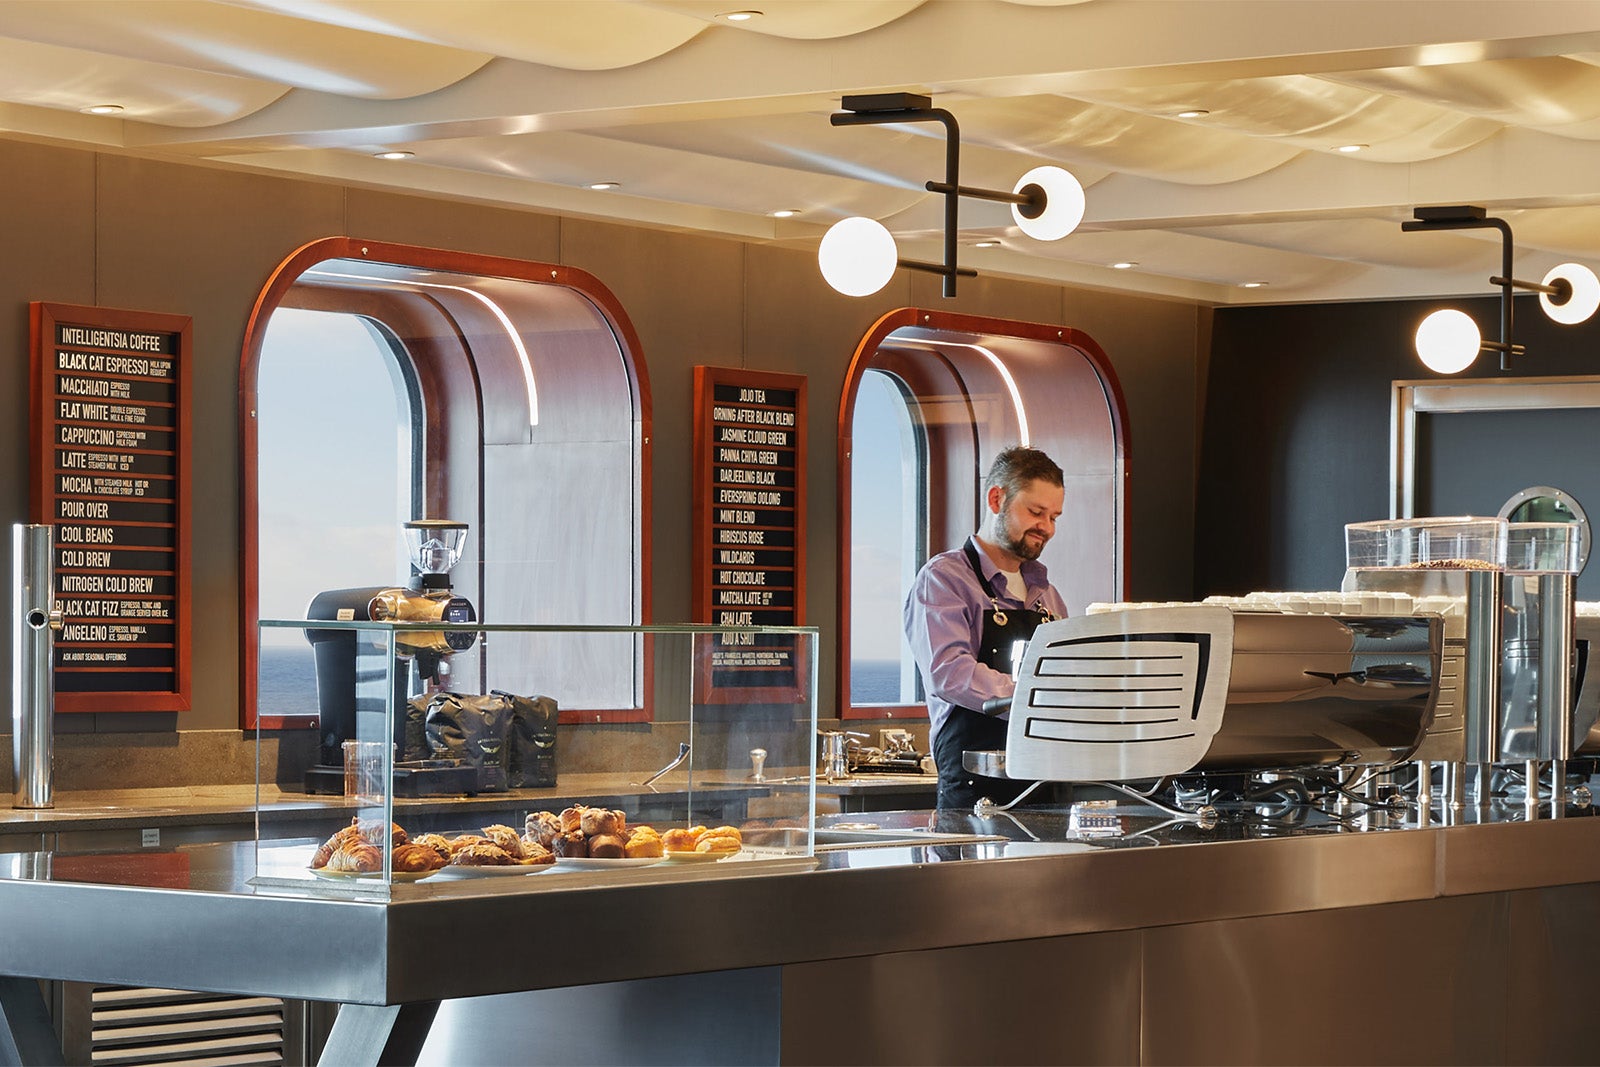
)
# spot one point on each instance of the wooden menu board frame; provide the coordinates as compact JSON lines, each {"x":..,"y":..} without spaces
{"x":749,"y":549}
{"x":110,"y":470}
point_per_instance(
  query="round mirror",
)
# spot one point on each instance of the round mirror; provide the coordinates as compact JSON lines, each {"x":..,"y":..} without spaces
{"x":1542,"y":503}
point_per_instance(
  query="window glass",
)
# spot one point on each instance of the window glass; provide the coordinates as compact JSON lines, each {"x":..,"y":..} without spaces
{"x":333,"y":480}
{"x":887,"y":540}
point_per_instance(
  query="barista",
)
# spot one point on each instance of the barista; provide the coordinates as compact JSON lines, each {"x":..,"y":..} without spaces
{"x":967,"y":611}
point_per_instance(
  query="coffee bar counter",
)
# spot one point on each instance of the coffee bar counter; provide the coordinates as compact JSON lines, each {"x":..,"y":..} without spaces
{"x":1111,"y":934}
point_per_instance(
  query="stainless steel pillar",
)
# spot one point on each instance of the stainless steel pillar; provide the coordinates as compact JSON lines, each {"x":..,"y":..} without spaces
{"x":1481,"y":684}
{"x":34,"y":618}
{"x":1556,"y":652}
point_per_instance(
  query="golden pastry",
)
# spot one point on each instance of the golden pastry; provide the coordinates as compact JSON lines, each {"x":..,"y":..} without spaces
{"x":544,"y":825}
{"x":644,"y":845}
{"x":413,"y":857}
{"x":572,"y":818}
{"x":607,"y":847}
{"x":356,"y":857}
{"x":373,"y":831}
{"x":572,"y":845}
{"x":466,"y":841}
{"x":484,"y":855}
{"x":506,"y":838}
{"x":721,"y":839}
{"x":602,"y":821}
{"x":535,"y":854}
{"x":681,"y":840}
{"x":438,"y":842}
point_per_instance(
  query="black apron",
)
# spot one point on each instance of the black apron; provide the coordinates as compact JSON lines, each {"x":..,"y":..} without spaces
{"x":969,"y":730}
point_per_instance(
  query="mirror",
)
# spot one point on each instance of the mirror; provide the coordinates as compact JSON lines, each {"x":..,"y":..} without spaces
{"x":1543,"y":503}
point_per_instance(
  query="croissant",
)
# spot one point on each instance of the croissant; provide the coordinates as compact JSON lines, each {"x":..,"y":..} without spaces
{"x":357,"y":857}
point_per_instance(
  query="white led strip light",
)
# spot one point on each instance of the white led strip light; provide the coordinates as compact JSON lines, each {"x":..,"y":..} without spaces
{"x":494,"y":309}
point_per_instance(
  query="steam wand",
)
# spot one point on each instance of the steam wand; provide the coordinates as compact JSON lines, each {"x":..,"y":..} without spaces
{"x":683,"y":754}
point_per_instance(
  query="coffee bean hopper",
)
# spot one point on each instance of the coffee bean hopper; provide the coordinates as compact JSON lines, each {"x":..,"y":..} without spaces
{"x":434,"y":547}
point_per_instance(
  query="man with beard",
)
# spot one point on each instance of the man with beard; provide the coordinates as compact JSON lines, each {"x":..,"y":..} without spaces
{"x":968,"y":610}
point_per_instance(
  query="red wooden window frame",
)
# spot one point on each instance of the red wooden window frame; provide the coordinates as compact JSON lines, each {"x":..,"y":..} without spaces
{"x":388,"y":306}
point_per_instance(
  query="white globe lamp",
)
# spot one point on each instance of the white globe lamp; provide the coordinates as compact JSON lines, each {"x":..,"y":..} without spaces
{"x":857,"y":256}
{"x":1583,"y":298}
{"x":1061,"y":209}
{"x":1448,"y":341}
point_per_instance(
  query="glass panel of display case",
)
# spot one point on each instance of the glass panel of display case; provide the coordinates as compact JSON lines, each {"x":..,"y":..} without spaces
{"x":417,"y":787}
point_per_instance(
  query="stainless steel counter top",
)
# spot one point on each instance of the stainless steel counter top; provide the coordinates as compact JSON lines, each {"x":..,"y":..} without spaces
{"x":188,"y":917}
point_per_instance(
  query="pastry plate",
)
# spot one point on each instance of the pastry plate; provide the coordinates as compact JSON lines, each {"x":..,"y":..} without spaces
{"x":457,"y":871}
{"x":698,"y":857}
{"x":397,"y":876}
{"x":591,"y":863}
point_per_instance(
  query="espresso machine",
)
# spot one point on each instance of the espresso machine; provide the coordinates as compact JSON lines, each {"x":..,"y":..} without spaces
{"x":351,"y":671}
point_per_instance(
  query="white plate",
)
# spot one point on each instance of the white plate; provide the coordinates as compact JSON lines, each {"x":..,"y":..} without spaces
{"x":698,"y":857}
{"x":593,"y":864}
{"x":397,"y":876}
{"x":454,"y":870}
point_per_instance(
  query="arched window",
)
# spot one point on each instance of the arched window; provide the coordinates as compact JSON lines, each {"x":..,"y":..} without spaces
{"x":500,"y":393}
{"x":931,"y":397}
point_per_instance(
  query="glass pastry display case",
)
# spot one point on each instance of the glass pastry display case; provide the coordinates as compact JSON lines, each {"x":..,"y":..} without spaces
{"x":589,"y":752}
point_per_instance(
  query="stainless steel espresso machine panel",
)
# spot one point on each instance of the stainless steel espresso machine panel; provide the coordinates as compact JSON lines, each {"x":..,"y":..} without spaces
{"x":1465,"y":726}
{"x":1148,"y":692}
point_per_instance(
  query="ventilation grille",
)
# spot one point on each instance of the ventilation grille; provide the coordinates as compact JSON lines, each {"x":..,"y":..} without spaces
{"x":171,"y":1026}
{"x":1129,"y":691}
{"x":1117,"y":706}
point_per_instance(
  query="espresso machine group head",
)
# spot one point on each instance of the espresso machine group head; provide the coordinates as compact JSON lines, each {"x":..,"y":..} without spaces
{"x":434,"y":547}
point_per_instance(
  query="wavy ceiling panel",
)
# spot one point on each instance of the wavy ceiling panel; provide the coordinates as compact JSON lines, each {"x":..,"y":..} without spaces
{"x":1548,"y":93}
{"x":44,"y":75}
{"x":257,"y":44}
{"x":1312,"y":112}
{"x":1072,"y":131}
{"x":570,"y":34}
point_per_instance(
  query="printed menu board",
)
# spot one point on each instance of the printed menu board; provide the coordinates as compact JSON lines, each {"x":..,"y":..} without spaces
{"x":749,"y":546}
{"x":110,"y":471}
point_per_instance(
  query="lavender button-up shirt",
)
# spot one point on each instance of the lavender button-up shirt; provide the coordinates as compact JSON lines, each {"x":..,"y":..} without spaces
{"x":943,"y":620}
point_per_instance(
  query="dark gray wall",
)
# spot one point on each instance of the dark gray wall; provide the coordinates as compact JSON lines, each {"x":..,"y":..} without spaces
{"x":94,"y":228}
{"x":1296,"y":433}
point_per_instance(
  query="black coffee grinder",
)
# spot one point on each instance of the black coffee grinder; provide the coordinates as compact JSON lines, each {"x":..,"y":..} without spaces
{"x":351,"y":668}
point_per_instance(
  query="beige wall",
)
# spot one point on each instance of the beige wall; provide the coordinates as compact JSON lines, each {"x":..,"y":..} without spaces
{"x":121,"y":232}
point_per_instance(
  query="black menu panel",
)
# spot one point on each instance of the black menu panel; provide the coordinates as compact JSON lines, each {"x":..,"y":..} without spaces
{"x":110,"y":472}
{"x":749,"y":552}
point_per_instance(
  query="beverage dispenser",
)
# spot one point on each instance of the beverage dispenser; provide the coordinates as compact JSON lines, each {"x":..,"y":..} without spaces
{"x":1453,"y":567}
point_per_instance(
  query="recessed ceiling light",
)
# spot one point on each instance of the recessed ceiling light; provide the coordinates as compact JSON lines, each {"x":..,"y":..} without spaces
{"x":1251,"y":285}
{"x":603,"y":186}
{"x":102,"y":109}
{"x":396,"y":154}
{"x":785,"y":213}
{"x":739,"y":16}
{"x":986,"y":244}
{"x":1350,"y":148}
{"x":1193,"y":113}
{"x":1126,"y":264}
